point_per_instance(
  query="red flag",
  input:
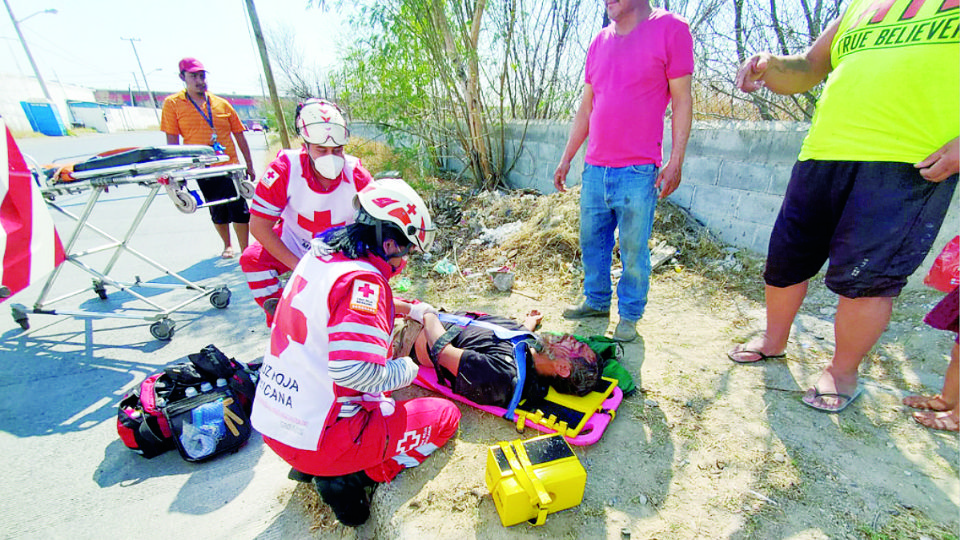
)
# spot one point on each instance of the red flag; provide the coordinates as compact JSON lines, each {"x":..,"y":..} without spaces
{"x":29,"y":243}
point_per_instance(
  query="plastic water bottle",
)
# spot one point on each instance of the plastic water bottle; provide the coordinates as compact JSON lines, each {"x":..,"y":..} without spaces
{"x":190,"y":391}
{"x":204,"y":430}
{"x":197,"y":441}
{"x":209,"y":419}
{"x":206,"y":387}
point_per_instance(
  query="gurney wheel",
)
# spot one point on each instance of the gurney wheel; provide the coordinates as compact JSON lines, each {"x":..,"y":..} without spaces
{"x":162,"y":330}
{"x":247,"y":189}
{"x":100,"y":289}
{"x":21,"y":318}
{"x":220,"y":298}
{"x":185,"y":202}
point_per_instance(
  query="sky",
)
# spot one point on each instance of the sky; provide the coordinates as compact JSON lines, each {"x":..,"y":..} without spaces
{"x":85,"y":44}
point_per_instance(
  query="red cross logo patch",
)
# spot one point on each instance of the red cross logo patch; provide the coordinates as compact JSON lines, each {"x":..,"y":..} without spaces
{"x":269,"y":178}
{"x":366,"y":296}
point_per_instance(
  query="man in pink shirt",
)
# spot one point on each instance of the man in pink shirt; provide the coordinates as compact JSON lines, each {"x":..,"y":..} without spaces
{"x":635,"y":66}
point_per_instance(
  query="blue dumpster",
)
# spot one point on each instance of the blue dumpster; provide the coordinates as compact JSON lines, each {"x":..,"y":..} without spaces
{"x":44,"y":118}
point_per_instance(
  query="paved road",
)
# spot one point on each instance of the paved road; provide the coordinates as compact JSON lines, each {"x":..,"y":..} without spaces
{"x":59,"y":149}
{"x":67,"y":475}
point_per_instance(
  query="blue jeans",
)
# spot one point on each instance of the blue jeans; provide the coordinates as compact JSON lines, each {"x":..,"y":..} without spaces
{"x":612,"y":197}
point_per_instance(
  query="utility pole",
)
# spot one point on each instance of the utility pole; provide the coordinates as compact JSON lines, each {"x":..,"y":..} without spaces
{"x":36,"y":71}
{"x":153,"y":101}
{"x":261,"y":44}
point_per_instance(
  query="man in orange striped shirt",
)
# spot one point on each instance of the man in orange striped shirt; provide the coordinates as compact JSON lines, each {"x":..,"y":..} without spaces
{"x":203,"y":118}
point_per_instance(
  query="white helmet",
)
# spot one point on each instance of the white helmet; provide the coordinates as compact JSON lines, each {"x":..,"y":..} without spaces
{"x":321,"y":122}
{"x":393,"y":201}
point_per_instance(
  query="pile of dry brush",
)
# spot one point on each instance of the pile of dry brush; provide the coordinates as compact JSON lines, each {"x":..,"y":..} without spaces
{"x":546,"y":245}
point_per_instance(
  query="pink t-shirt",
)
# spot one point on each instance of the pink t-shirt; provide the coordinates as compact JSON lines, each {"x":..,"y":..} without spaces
{"x":629,"y":75}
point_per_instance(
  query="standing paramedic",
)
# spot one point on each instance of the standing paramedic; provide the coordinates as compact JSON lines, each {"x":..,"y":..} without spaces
{"x":302,"y":192}
{"x":637,"y":65}
{"x":320,"y":401}
{"x":200,"y":117}
{"x":874,"y":178}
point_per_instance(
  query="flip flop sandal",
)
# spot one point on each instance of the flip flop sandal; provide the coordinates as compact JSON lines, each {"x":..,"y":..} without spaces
{"x":937,"y":420}
{"x":924,"y":403}
{"x":846,"y":400}
{"x":732,"y":355}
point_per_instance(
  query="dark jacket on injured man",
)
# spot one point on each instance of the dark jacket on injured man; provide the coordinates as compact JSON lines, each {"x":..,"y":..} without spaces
{"x":488,"y":369}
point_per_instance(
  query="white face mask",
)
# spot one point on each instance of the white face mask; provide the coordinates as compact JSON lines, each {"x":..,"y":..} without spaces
{"x":329,"y":166}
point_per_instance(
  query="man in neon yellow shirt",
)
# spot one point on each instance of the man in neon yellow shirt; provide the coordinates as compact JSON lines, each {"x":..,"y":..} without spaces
{"x":874,"y":178}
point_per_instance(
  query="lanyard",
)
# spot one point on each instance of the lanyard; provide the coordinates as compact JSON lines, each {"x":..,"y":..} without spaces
{"x":209,"y":116}
{"x":217,"y":147}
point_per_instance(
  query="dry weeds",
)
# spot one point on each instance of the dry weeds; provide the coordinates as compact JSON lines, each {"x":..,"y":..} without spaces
{"x":705,"y":449}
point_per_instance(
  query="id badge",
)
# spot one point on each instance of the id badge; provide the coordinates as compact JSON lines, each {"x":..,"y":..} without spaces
{"x":217,"y":148}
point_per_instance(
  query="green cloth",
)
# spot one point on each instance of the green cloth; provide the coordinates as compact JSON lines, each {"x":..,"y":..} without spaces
{"x":624,"y":380}
{"x":610,"y":352}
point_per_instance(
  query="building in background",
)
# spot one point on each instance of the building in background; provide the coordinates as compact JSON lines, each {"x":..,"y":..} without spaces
{"x":24,"y":108}
{"x":248,"y":107}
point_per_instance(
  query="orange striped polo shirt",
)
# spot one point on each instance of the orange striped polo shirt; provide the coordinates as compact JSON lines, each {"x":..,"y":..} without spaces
{"x":181,"y":118}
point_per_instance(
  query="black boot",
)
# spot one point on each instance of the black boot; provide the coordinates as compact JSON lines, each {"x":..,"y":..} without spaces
{"x":299,"y":476}
{"x":348,"y":496}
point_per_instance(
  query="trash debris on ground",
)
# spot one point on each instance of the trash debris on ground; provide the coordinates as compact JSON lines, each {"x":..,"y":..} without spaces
{"x":538,"y":236}
{"x":502,"y":278}
{"x":445,"y":267}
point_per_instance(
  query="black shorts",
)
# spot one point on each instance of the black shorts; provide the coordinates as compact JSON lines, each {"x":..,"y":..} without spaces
{"x":874,"y":221}
{"x":486,"y":378}
{"x":231,"y":212}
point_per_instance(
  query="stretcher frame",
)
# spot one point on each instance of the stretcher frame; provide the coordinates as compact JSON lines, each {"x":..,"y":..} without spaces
{"x":588,"y":432}
{"x":177,"y":176}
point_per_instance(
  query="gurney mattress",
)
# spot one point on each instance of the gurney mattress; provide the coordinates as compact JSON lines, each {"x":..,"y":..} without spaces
{"x":146,"y":154}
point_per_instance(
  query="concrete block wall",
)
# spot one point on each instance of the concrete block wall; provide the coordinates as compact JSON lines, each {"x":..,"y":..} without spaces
{"x":734,"y":175}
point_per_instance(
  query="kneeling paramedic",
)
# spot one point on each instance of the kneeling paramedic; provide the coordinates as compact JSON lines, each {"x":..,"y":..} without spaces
{"x":321,"y":402}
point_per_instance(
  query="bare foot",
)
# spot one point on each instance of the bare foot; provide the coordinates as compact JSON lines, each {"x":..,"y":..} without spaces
{"x":227,"y":253}
{"x":942,"y":420}
{"x":928,"y":403}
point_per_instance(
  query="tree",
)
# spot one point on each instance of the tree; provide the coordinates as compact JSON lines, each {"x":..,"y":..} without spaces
{"x":460,"y":70}
{"x":298,"y":79}
{"x":454,"y":73}
{"x":742,"y":27}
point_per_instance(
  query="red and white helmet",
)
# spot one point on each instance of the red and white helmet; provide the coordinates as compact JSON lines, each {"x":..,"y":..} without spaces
{"x":321,"y":122}
{"x":394,"y":201}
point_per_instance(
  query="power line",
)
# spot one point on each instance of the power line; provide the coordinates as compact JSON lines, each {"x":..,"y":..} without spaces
{"x":153,"y":100}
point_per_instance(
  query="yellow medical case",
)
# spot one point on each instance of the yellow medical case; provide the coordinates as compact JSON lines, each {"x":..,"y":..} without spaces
{"x":529,"y":479}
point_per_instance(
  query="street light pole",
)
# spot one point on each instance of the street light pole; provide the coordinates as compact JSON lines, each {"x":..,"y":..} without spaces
{"x":146,"y":83}
{"x":265,"y":59}
{"x":16,"y":26}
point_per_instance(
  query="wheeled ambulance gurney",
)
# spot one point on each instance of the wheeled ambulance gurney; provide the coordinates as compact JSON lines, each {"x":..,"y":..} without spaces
{"x":186,"y":174}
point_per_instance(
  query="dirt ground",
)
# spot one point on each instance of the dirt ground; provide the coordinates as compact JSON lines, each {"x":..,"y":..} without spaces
{"x":706,"y":448}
